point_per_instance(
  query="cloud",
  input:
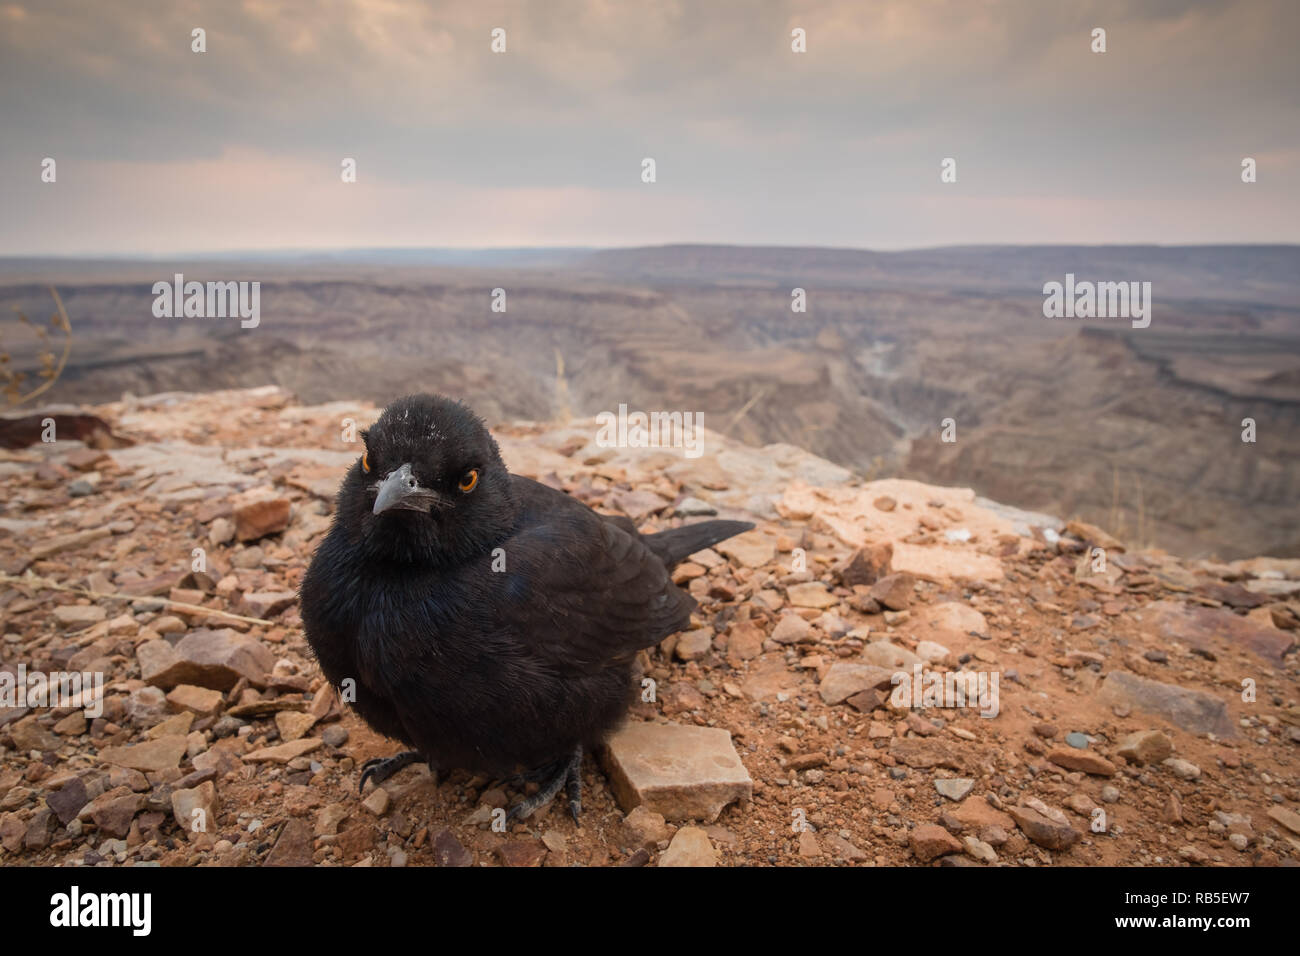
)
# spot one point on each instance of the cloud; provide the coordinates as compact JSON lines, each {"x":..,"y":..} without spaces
{"x":743,"y":129}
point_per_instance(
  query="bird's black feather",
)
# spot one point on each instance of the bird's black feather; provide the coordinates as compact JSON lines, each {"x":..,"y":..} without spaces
{"x":498,"y":627}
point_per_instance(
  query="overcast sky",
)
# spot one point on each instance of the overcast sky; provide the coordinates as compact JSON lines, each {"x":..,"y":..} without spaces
{"x":161,"y":150}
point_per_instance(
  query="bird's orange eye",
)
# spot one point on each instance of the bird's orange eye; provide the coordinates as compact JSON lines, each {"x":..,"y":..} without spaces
{"x":468,"y":480}
{"x":365,"y":462}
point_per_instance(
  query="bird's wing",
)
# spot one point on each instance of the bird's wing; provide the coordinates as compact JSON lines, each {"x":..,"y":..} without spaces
{"x":582,"y":594}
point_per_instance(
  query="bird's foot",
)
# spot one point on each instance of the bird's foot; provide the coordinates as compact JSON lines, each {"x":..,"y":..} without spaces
{"x":564,"y":775}
{"x":380,"y":769}
{"x":539,"y":775}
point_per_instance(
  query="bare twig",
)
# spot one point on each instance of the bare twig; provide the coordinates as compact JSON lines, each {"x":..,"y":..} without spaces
{"x":61,"y":322}
{"x":35,"y":580}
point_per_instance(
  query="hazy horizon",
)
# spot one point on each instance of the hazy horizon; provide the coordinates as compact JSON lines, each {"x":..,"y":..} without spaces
{"x":325,"y":251}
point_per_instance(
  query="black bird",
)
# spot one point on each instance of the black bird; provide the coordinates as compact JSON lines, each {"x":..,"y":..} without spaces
{"x":488,"y":621}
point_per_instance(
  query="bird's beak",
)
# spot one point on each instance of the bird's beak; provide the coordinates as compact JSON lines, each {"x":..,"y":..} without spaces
{"x":401,"y":491}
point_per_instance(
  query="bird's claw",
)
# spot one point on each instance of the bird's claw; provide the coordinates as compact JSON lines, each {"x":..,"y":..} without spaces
{"x":380,"y":769}
{"x":567,"y":777}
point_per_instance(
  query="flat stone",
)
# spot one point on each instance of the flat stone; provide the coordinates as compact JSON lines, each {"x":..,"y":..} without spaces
{"x":867,"y":565}
{"x":266,"y":604}
{"x":810,"y":594}
{"x":12,"y":831}
{"x":885,"y":654}
{"x":175,"y":724}
{"x":979,"y":850}
{"x":293,"y":725}
{"x":1081,"y":804}
{"x":1145,"y":746}
{"x":40,"y":826}
{"x":113,"y":810}
{"x":1082,"y":760}
{"x":693,"y":645}
{"x":328,"y":819}
{"x":693,"y":507}
{"x":1194,"y":854}
{"x":932,"y":652}
{"x":1048,"y":830}
{"x":283,"y":753}
{"x":67,"y":801}
{"x":639,"y":503}
{"x":221,"y":531}
{"x":930,"y":841}
{"x":841,"y":848}
{"x":73,"y":725}
{"x":30,"y":734}
{"x":357,"y":841}
{"x":924,"y":753}
{"x":753,"y":549}
{"x":215,"y":659}
{"x":894,"y":591}
{"x":844,"y":679}
{"x":377,"y":802}
{"x":79,"y":614}
{"x":168,"y":624}
{"x":943,"y":564}
{"x":1287,"y":818}
{"x":1203,"y":628}
{"x":744,"y":642}
{"x":690,"y":846}
{"x":266,"y":708}
{"x":1183,"y":769}
{"x":954,"y":788}
{"x":977,"y":813}
{"x":294,"y":846}
{"x":165,"y":753}
{"x":1272,"y":589}
{"x":643,"y":828}
{"x":688,"y":571}
{"x":66,"y":542}
{"x":949,"y":622}
{"x":197,"y":700}
{"x":322,"y":702}
{"x":449,"y":851}
{"x":195,"y":808}
{"x":1171,"y":811}
{"x":256,"y":519}
{"x":793,"y":629}
{"x":1233,"y":595}
{"x":768,"y":678}
{"x":1192,"y":710}
{"x":521,"y":853}
{"x":682,"y":772}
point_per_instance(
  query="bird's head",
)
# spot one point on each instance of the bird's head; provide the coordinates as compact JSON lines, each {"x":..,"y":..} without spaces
{"x":430,"y":486}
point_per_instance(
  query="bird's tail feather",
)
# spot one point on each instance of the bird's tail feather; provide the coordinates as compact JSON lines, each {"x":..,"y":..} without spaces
{"x":674,"y":545}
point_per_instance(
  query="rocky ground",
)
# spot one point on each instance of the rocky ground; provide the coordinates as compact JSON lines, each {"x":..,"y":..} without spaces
{"x":1146,"y":710}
